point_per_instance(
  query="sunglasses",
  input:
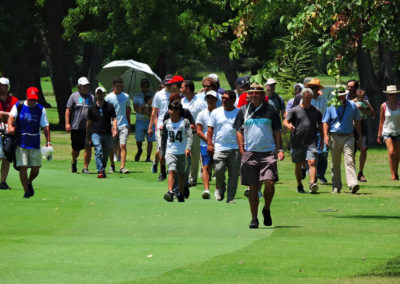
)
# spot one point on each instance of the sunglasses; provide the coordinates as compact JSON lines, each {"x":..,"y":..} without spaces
{"x":207,"y":86}
{"x":225,"y":98}
{"x":392,"y":94}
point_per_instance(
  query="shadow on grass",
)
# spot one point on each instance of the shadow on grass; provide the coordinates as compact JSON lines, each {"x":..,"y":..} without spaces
{"x":279,"y":227}
{"x":377,"y":217}
{"x":389,"y":269}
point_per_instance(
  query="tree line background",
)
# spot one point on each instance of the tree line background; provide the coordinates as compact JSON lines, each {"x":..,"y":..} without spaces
{"x":287,"y":39}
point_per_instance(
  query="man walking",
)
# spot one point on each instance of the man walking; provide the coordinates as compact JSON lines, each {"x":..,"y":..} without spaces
{"x":222,"y":144}
{"x":304,"y":121}
{"x":142,"y":106}
{"x":274,"y":98}
{"x":258,"y":130}
{"x":101,"y":127}
{"x":122,"y":105}
{"x":6,"y":103}
{"x":75,"y":122}
{"x":338,"y":135}
{"x":30,"y":117}
{"x":195,"y":106}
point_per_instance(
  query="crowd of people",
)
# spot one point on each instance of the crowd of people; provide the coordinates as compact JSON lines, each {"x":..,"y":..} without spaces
{"x":228,"y":134}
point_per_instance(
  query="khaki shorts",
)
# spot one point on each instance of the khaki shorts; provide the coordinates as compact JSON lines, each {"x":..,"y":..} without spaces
{"x":122,"y":136}
{"x":176,"y":163}
{"x":28,"y":157}
{"x":257,"y":167}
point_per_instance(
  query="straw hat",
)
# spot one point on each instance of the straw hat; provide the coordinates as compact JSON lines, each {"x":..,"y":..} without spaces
{"x":314,"y":82}
{"x":392,"y":89}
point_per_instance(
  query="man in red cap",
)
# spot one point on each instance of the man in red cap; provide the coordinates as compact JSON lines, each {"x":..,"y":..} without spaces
{"x":6,"y":103}
{"x":29,"y":117}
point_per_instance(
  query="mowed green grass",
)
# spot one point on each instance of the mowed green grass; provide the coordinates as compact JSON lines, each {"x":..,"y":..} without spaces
{"x":79,"y":229}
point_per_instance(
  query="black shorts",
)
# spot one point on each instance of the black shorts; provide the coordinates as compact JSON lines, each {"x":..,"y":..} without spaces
{"x":78,"y":140}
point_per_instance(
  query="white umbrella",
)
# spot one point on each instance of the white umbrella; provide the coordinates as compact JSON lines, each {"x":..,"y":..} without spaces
{"x":132,"y":72}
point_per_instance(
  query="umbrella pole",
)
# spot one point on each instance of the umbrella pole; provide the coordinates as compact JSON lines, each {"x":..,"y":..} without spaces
{"x":129,"y":89}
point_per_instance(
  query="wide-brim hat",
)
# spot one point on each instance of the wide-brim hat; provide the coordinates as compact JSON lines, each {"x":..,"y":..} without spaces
{"x":256,"y":88}
{"x":341,"y":90}
{"x":391,"y":89}
{"x":314,"y":82}
{"x":271,"y":81}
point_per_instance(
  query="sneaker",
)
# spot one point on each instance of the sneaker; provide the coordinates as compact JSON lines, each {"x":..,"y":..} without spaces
{"x":221,"y":195}
{"x":354,"y":188}
{"x":169,"y":196}
{"x":313,"y":188}
{"x":73,"y":168}
{"x":123,"y":171}
{"x":300,"y":189}
{"x":31,"y":191}
{"x":361,"y":177}
{"x":85,"y":171}
{"x":216,"y":194}
{"x":396,"y":176}
{"x":27,"y":195}
{"x":138,"y":154}
{"x":193,"y":183}
{"x":112,"y":169}
{"x":335,"y":190}
{"x":154,"y":167}
{"x":162,"y":177}
{"x":101,"y":174}
{"x":323,"y":180}
{"x":254,"y":224}
{"x":186,"y":192}
{"x":148,"y":160}
{"x":4,"y":185}
{"x":206,"y":194}
{"x":303,"y":173}
{"x":246,"y":192}
{"x":267,"y":217}
{"x":181,"y":197}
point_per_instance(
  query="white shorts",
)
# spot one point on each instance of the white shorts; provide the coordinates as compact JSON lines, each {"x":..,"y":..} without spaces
{"x":122,"y":136}
{"x":28,"y":157}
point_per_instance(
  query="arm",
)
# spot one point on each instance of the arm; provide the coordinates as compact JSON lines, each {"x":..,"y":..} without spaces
{"x":164,"y":137}
{"x":326,"y":134}
{"x":288,"y":125}
{"x":46,"y":130}
{"x":278,"y":142}
{"x":321,"y":136}
{"x":153,"y":121}
{"x":114,"y":127}
{"x":357,"y":124}
{"x":88,"y":128}
{"x":67,"y":116}
{"x":128,"y":117}
{"x":381,"y":121}
{"x":371,"y":111}
{"x":199,"y":130}
{"x":11,"y":127}
{"x":210,"y":146}
{"x":189,"y":134}
{"x":240,"y":140}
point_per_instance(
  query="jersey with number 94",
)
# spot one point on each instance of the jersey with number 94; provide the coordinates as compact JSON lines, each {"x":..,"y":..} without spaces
{"x":176,"y":137}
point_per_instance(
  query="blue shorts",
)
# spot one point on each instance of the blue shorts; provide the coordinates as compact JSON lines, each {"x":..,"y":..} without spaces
{"x":141,"y":131}
{"x":205,"y":158}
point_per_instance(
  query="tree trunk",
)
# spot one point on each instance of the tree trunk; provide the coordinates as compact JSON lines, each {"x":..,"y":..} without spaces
{"x":370,"y":84}
{"x":161,"y":66}
{"x":226,"y":64}
{"x":53,"y":15}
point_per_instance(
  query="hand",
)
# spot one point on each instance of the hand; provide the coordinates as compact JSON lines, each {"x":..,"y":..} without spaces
{"x":326,"y":140}
{"x":379,"y":139}
{"x":150,"y":132}
{"x":281,"y":156}
{"x":11,"y":130}
{"x":241,"y":150}
{"x":210,"y":150}
{"x":67,"y":127}
{"x":188,"y":153}
{"x":291,"y":127}
{"x":162,"y":158}
{"x":114,"y":133}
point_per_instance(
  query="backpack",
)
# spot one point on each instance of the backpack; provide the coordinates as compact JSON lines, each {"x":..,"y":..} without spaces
{"x":10,"y":142}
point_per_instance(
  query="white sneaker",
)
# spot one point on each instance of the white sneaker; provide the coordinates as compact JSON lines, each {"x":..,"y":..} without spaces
{"x":313,"y":188}
{"x":217,"y":195}
{"x":206,"y":194}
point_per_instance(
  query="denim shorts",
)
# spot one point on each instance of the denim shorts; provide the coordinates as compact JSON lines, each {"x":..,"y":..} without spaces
{"x":141,"y":131}
{"x":394,"y":138}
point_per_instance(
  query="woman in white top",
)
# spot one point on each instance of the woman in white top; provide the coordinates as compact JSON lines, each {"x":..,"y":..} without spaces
{"x":389,"y":129}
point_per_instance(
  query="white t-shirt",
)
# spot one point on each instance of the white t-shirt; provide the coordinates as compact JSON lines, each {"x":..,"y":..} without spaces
{"x":203,"y":118}
{"x":177,"y":136}
{"x":224,"y":133}
{"x":160,"y":101}
{"x":195,"y":106}
{"x":43,"y":119}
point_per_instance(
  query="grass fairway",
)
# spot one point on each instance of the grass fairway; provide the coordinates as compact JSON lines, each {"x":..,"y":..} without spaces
{"x":78,"y":229}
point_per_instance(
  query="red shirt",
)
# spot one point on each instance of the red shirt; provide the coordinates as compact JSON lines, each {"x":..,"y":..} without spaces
{"x":242,"y":100}
{"x":8,"y":104}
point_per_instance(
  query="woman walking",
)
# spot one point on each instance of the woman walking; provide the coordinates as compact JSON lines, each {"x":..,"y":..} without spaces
{"x":389,"y":129}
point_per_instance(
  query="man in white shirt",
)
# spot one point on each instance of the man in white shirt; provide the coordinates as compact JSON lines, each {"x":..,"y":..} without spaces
{"x":221,"y":140}
{"x":195,"y":106}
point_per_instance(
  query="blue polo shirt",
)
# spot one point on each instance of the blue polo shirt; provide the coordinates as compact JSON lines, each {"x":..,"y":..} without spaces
{"x":340,"y":120}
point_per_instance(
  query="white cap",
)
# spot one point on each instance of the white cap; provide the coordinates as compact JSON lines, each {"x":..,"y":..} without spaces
{"x":211,"y":93}
{"x":214,"y":77}
{"x":4,"y":81}
{"x":270,"y":81}
{"x":82,"y":81}
{"x":100,"y":89}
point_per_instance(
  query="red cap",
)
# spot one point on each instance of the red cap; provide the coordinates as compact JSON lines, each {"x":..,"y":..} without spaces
{"x":175,"y":79}
{"x":32,"y":93}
